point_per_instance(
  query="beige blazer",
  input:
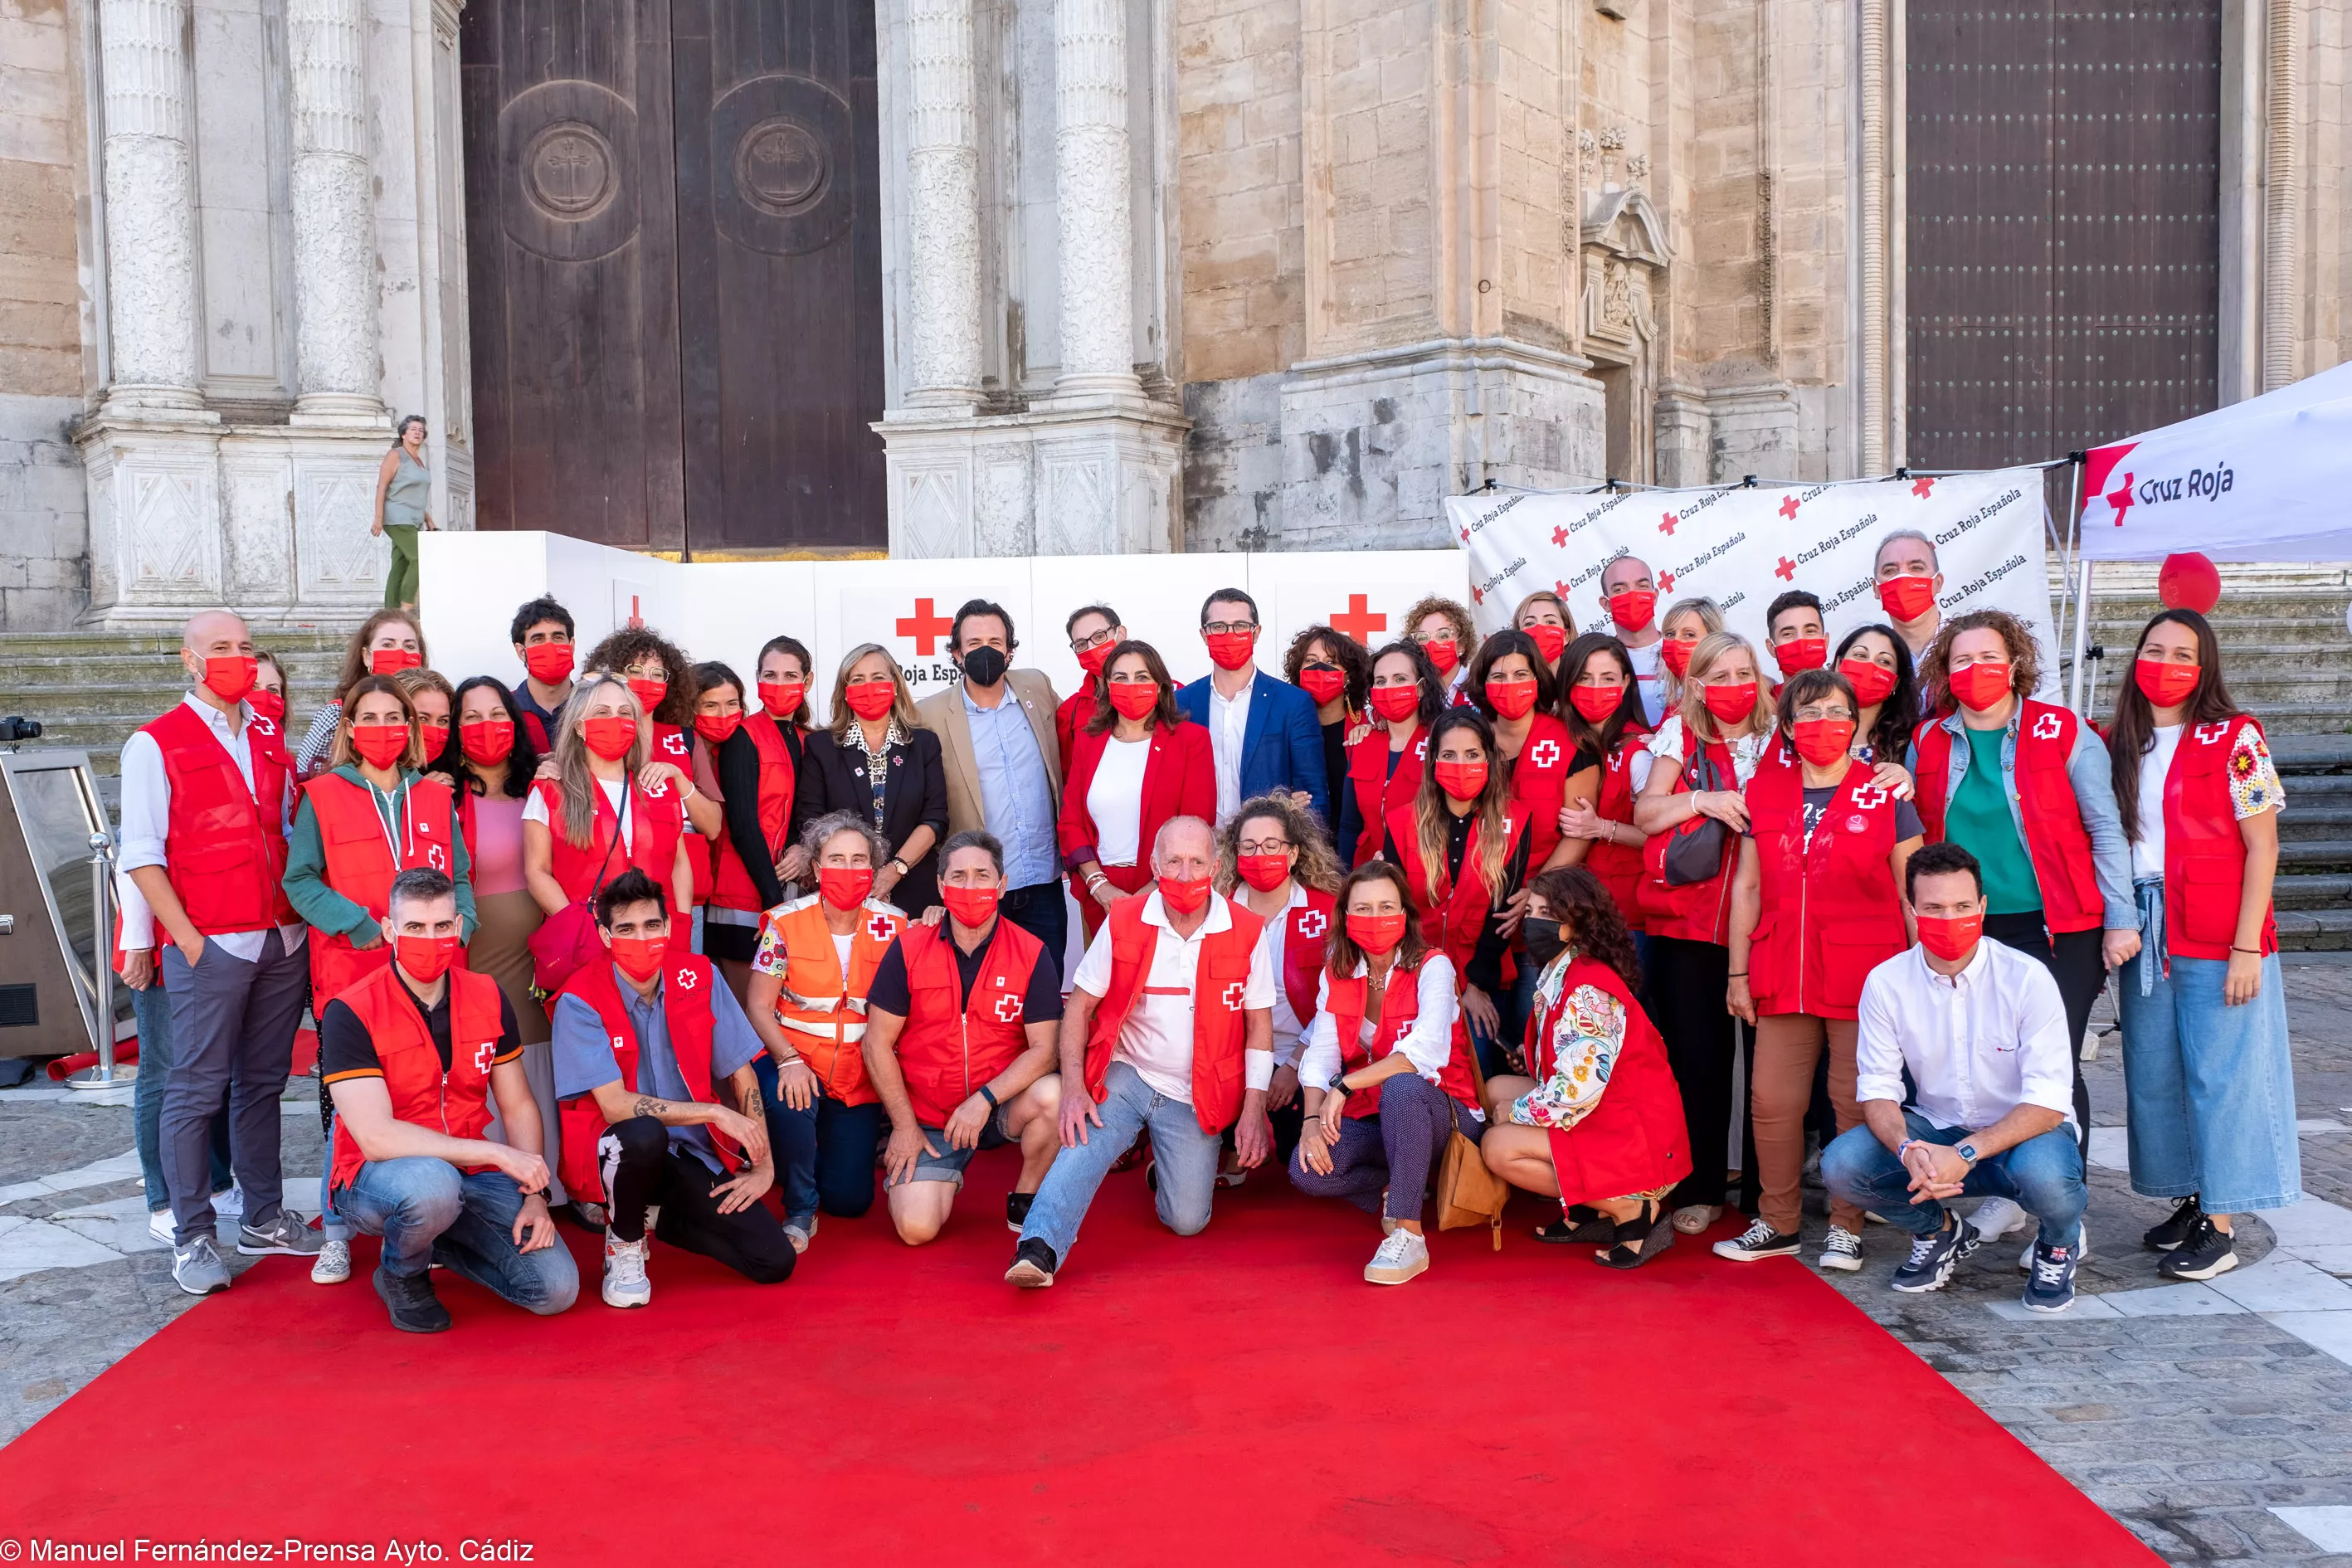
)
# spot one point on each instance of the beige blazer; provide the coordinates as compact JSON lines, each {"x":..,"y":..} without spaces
{"x":942,"y":714}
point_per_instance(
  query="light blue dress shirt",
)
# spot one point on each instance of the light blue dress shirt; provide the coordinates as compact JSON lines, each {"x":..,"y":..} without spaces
{"x":1017,"y":796}
{"x":585,"y":1059}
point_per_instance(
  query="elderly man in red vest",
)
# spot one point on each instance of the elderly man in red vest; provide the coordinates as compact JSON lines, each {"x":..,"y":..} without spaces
{"x":412,"y":1055}
{"x":204,"y":808}
{"x":1169,"y":1027}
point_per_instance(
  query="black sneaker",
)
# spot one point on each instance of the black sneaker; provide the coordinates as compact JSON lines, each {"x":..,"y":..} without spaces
{"x":1758,"y":1241}
{"x":2050,"y":1284}
{"x":415,"y":1307}
{"x":1016,"y":1210}
{"x":2173,"y":1232}
{"x":1933,"y":1258}
{"x":2207,"y":1250}
{"x":1034,"y":1263}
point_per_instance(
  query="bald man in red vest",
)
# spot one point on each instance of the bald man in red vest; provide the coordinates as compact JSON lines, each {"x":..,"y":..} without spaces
{"x":1170,"y":1027}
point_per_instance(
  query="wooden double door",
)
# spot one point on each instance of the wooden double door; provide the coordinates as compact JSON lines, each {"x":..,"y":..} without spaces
{"x":675,"y":257}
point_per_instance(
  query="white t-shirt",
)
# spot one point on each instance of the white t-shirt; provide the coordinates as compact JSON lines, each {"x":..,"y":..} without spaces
{"x":841,"y":945}
{"x":1114,"y":801}
{"x":1228,"y":733}
{"x":1648,"y":677}
{"x":2148,"y":850}
{"x":1157,"y":1038}
{"x":617,"y":792}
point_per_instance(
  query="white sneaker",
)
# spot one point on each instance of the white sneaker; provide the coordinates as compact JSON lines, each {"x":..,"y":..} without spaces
{"x":625,"y":1284}
{"x":1402,"y":1255}
{"x":230,"y":1204}
{"x":2082,"y":1246}
{"x":161,"y":1226}
{"x":1996,"y":1217}
{"x":333,"y":1265}
{"x":1843,"y":1250}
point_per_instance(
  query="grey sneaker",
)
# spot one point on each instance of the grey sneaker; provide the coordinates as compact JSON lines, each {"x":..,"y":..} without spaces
{"x":284,"y":1233}
{"x":333,"y":1265}
{"x":198,"y":1267}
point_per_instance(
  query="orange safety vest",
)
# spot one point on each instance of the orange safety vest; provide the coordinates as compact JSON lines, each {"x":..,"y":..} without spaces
{"x":822,"y":1010}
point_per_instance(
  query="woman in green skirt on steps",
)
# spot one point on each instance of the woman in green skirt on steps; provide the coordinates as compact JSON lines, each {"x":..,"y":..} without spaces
{"x":404,"y":490}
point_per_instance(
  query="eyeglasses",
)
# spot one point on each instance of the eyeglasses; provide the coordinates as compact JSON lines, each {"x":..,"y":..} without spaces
{"x":1093,"y":639}
{"x":1444,"y":634}
{"x":1217,"y":628}
{"x":1263,"y":846}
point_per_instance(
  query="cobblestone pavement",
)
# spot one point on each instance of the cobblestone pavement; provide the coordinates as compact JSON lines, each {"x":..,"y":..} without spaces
{"x":2188,"y":1413}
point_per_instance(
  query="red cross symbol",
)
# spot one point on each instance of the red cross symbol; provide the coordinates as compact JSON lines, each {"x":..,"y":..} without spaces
{"x":1559,"y":586}
{"x":636,"y":616}
{"x":926,"y":625}
{"x":2209,"y":734}
{"x":1788,"y":508}
{"x":2046,"y":727}
{"x":1313,"y":922}
{"x":1232,"y":997}
{"x":1478,"y":595}
{"x":675,"y":744}
{"x":685,"y":980}
{"x":1786,"y":571}
{"x":2119,"y":498}
{"x":1667,"y":525}
{"x":1559,"y":534}
{"x":1922,"y":485}
{"x":1359,"y":620}
{"x":1544,"y":753}
{"x":1008,"y":1007}
{"x":435,"y":858}
{"x":1465,"y":536}
{"x":879,"y":928}
{"x":1870,"y":796}
{"x":1420,"y":748}
{"x":1665,"y":582}
{"x":484,"y":1054}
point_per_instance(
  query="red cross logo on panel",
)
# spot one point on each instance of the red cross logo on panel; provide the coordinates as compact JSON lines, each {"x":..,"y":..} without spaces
{"x":1786,"y":571}
{"x":2120,"y":498}
{"x":1665,"y":582}
{"x":1788,"y":508}
{"x":1359,"y":620}
{"x":926,"y":625}
{"x":1921,"y":486}
{"x":1559,"y":534}
{"x":1667,"y":525}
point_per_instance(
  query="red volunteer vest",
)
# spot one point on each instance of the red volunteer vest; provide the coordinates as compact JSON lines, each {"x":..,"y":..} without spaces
{"x":456,"y":1102}
{"x":362,"y":863}
{"x":224,"y":845}
{"x":1071,"y":717}
{"x":1830,"y":912}
{"x":1452,"y":921}
{"x":1379,"y":792}
{"x":1539,"y":782}
{"x":950,"y":1047}
{"x":1306,"y":938}
{"x":1619,"y":866}
{"x":686,"y":980}
{"x":656,"y":824}
{"x":673,"y":744}
{"x":1399,"y":1006}
{"x":2055,"y":838}
{"x":730,"y":883}
{"x":1634,"y":1140}
{"x":1696,"y":912}
{"x":1217,"y":1016}
{"x":2203,"y":851}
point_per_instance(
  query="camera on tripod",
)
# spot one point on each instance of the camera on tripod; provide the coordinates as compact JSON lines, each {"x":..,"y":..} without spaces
{"x":16,"y":727}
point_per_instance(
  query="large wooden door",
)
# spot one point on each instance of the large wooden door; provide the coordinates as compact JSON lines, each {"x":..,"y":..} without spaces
{"x":2063,"y":279}
{"x":675,"y":258}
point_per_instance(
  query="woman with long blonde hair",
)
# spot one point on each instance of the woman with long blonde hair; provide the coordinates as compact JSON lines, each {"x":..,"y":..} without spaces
{"x":1686,"y":623}
{"x":576,"y":824}
{"x":876,"y":761}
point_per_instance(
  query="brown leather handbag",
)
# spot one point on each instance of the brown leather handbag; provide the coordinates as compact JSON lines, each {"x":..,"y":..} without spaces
{"x":1468,"y":1193}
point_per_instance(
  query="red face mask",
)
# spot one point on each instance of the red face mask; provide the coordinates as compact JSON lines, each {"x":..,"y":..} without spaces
{"x":1230,"y":650}
{"x":1514,"y":699}
{"x":1134,"y":699}
{"x":1907,"y":598}
{"x":782,"y":698}
{"x":1821,"y":742}
{"x":1676,"y":654}
{"x":1264,"y":872}
{"x":1396,"y":703}
{"x":1800,"y":654}
{"x":970,"y":907}
{"x":844,"y":887}
{"x":1980,"y":686}
{"x":1871,"y":682}
{"x":391,"y":661}
{"x":427,"y":958}
{"x":1632,"y":609}
{"x":1595,"y":703}
{"x":1732,"y":704}
{"x":550,"y":663}
{"x":267,"y":704}
{"x":872,"y":698}
{"x":230,"y":676}
{"x":716,"y":727}
{"x":649,"y":693}
{"x":1183,"y":897}
{"x":380,"y":745}
{"x":610,"y":736}
{"x":1094,"y":658}
{"x":1549,"y":640}
{"x":1445,"y":655}
{"x":640,"y":957}
{"x":487,"y":742}
{"x":1950,"y":938}
{"x":1322,"y":683}
{"x":2165,"y":685}
{"x":1463,"y":781}
{"x":1376,"y":934}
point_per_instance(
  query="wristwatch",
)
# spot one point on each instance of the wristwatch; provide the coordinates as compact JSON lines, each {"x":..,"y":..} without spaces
{"x":903,"y":867}
{"x":1967,"y":1152}
{"x":1338,"y":1083}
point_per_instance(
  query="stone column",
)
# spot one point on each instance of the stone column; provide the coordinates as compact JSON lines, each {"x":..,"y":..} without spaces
{"x":336,"y":353}
{"x":1092,"y":196}
{"x":150,"y":235}
{"x":943,"y":368}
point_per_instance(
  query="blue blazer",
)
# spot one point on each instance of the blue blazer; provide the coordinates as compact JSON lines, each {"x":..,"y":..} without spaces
{"x":1284,"y":746}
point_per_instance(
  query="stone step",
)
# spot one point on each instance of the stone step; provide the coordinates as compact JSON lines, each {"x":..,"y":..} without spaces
{"x":2315,"y":931}
{"x":2305,"y":820}
{"x":2313,"y":853}
{"x":2314,"y":890}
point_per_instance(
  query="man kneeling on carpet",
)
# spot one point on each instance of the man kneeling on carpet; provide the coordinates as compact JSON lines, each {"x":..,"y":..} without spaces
{"x":1600,"y":1125}
{"x":411,"y":1055}
{"x":1170,"y":1027}
{"x":960,"y":1027}
{"x":1983,"y":1031}
{"x":640,"y":1042}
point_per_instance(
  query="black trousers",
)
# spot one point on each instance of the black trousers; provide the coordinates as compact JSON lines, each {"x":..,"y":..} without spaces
{"x":640,"y":1168}
{"x":1041,"y":911}
{"x":1686,"y":982}
{"x":2077,"y":961}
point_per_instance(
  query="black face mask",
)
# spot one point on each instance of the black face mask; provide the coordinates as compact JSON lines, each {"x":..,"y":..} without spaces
{"x":1543,"y":940}
{"x":983,"y":666}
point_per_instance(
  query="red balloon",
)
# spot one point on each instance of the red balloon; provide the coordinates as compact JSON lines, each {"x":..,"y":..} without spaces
{"x":2189,"y":582}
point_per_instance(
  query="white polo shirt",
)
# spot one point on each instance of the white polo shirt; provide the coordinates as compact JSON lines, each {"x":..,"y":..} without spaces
{"x":1157,"y":1038}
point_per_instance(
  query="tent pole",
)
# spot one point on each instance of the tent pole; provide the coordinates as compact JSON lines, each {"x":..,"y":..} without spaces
{"x":2079,"y":686}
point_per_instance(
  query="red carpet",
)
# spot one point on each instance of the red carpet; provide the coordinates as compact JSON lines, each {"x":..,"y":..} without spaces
{"x":1241,"y":1396}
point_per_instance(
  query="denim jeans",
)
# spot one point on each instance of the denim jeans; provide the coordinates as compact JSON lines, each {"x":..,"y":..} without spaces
{"x":1184,"y":1156}
{"x":825,"y":1155}
{"x":2043,"y":1175}
{"x":429,"y":1212}
{"x":332,"y":1224}
{"x":2210,"y":1086}
{"x":153,"y":1009}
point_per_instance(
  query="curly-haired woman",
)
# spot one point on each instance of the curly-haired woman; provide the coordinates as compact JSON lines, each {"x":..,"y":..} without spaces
{"x":1274,"y":858}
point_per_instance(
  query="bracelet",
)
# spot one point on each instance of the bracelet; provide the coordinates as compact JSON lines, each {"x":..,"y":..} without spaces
{"x":1740,"y":974}
{"x":2256,"y":952}
{"x":1096,"y":880}
{"x":691,"y":791}
{"x":989,"y":1095}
